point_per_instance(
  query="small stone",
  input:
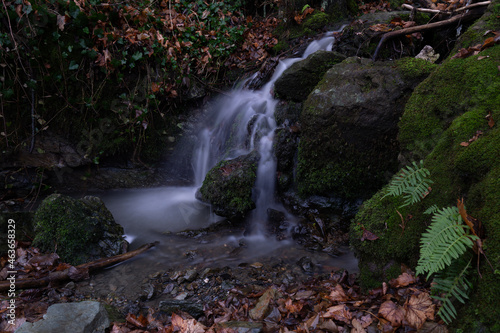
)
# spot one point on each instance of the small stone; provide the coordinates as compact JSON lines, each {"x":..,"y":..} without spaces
{"x":190,"y":275}
{"x":256,"y":265}
{"x":182,"y":296}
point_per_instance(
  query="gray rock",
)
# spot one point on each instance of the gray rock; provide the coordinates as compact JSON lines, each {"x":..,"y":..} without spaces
{"x":175,"y":305}
{"x":300,"y":79}
{"x":241,"y":326}
{"x":81,"y":317}
{"x":84,"y":230}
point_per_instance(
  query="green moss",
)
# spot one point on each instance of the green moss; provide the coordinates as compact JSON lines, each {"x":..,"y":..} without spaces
{"x":445,"y":110}
{"x":411,"y":67}
{"x":73,"y":228}
{"x":228,"y":186}
{"x":465,"y":85}
{"x":280,"y":47}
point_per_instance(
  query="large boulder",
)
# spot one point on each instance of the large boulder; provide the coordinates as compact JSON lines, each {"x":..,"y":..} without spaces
{"x":79,"y":230}
{"x":228,"y":186}
{"x":349,"y":126}
{"x":300,"y":79}
{"x":447,"y":122}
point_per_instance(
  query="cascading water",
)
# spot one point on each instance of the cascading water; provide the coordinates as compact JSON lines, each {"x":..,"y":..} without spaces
{"x":242,"y":122}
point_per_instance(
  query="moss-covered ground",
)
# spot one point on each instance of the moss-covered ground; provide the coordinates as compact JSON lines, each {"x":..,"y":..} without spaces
{"x":446,"y":123}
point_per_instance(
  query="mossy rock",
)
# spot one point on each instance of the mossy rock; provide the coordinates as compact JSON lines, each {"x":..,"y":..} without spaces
{"x":443,"y":114}
{"x":349,"y":126}
{"x":78,"y":230}
{"x":228,"y":186}
{"x":299,"y":80}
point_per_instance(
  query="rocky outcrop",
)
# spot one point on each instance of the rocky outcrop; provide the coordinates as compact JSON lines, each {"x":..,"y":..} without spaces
{"x":78,"y":231}
{"x":80,"y":317}
{"x":451,"y":122}
{"x":300,"y":79}
{"x":349,"y":126}
{"x":228,"y":186}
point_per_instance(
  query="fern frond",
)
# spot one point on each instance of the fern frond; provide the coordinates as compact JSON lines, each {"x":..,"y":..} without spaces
{"x":431,"y":210}
{"x":452,"y":284}
{"x":446,"y":239}
{"x":412,"y":182}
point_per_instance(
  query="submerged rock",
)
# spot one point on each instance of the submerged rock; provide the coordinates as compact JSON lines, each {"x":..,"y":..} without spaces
{"x":81,"y":317}
{"x":228,"y":186}
{"x":79,"y":230}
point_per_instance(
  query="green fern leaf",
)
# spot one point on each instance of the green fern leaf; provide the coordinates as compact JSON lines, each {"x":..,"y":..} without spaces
{"x":445,"y":240}
{"x":452,"y":284}
{"x":431,"y":210}
{"x":411,"y":182}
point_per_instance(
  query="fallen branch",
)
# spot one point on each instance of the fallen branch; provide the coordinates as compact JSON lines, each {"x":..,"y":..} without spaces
{"x":407,"y":31}
{"x":74,"y":273}
{"x":437,"y":11}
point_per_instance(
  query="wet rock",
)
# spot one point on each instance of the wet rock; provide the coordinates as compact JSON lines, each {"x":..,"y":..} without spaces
{"x":84,"y":230}
{"x":174,"y":305}
{"x":228,"y":186}
{"x":84,"y":317}
{"x":300,"y":79}
{"x":306,"y":264}
{"x":349,"y":126}
{"x":241,"y":326}
{"x":190,"y":275}
{"x":261,"y":308}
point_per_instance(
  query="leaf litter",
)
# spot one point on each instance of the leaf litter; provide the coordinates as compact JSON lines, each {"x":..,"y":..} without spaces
{"x":332,"y":302}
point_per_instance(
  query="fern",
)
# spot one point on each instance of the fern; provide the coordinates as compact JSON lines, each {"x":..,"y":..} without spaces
{"x":431,"y":210}
{"x":445,"y":240}
{"x":452,"y":284}
{"x":411,"y":182}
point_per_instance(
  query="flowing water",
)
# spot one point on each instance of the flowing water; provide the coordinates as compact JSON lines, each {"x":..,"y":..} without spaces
{"x":239,"y":123}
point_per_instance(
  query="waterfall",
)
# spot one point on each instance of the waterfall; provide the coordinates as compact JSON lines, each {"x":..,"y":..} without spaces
{"x":242,"y":122}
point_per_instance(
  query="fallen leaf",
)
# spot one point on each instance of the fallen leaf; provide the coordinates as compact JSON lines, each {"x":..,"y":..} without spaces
{"x":418,"y":309}
{"x":338,"y":312}
{"x":431,"y":327}
{"x":338,"y":294}
{"x":358,"y":328}
{"x":381,"y":27}
{"x":392,"y":312}
{"x":464,"y":144}
{"x":402,"y":281}
{"x":491,"y":122}
{"x":61,"y":21}
{"x":187,"y":325}
{"x":368,"y":235}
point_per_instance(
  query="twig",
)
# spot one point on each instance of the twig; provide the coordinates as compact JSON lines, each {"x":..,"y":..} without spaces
{"x":437,"y":11}
{"x":65,"y":275}
{"x":407,"y":31}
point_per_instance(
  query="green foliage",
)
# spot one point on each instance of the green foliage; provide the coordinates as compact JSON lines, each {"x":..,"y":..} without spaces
{"x":451,"y":284}
{"x":446,"y":240}
{"x":411,"y":182}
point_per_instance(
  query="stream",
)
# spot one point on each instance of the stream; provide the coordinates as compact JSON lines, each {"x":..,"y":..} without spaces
{"x":238,"y":124}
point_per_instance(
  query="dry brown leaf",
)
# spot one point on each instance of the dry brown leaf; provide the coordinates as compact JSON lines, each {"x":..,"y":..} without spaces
{"x":368,"y":235}
{"x":358,"y":328}
{"x":329,"y":326}
{"x":338,"y":312}
{"x":392,"y":312}
{"x":464,"y":144}
{"x":491,"y":121}
{"x":366,"y":320}
{"x":418,"y":309}
{"x":338,"y":294}
{"x":402,"y":281}
{"x":61,"y":21}
{"x":187,"y":325}
{"x":381,"y":27}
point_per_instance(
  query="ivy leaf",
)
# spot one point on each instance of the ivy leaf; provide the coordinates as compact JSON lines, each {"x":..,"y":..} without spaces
{"x":73,"y":65}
